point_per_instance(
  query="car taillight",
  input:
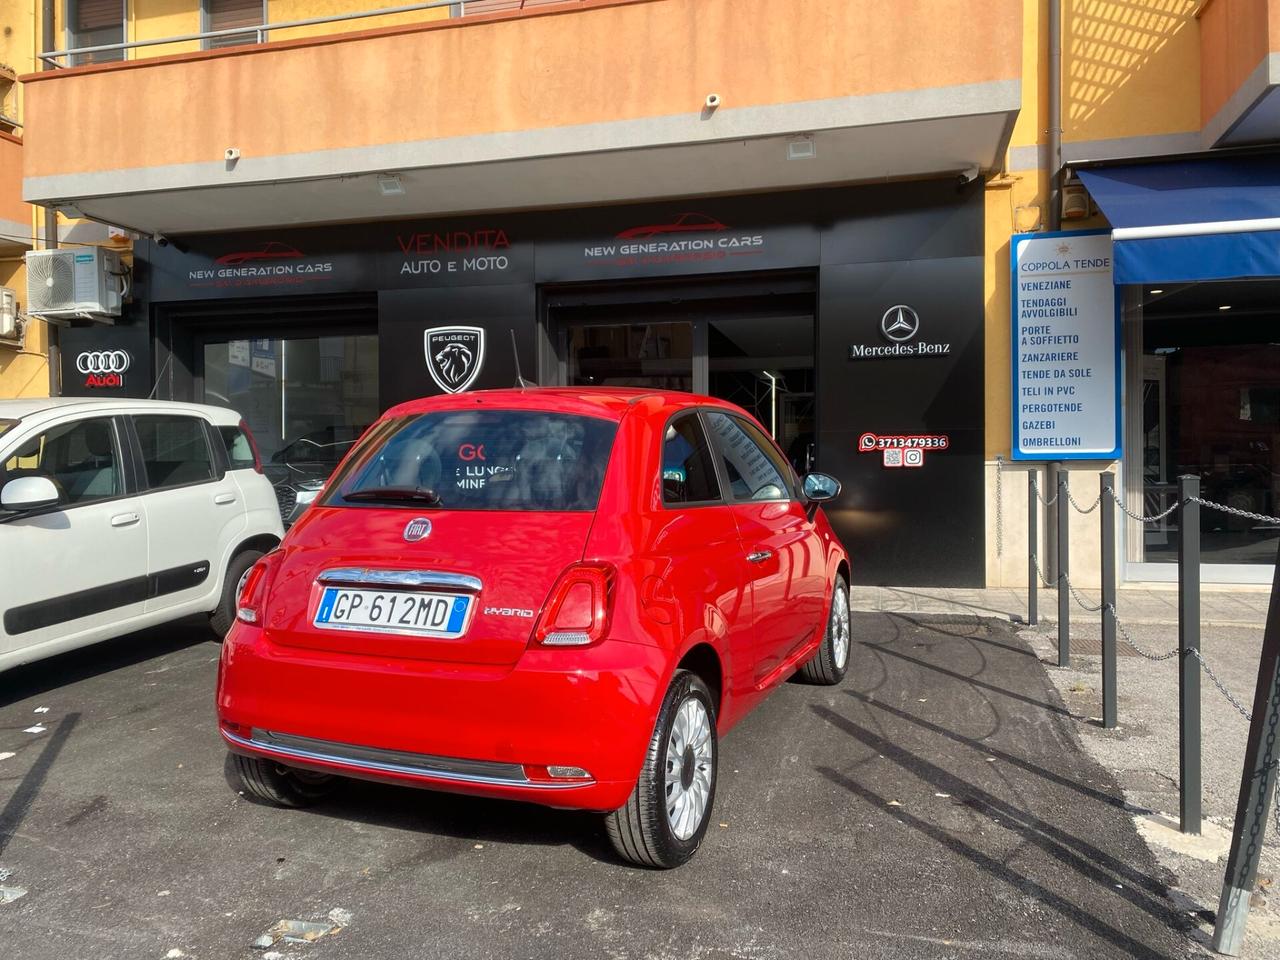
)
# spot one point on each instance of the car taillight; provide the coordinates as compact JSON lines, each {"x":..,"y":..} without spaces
{"x":253,"y":445}
{"x":253,"y":595}
{"x":577,"y":613}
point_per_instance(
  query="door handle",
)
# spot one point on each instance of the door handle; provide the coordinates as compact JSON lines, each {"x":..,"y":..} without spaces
{"x":124,"y":519}
{"x":225,"y":498}
{"x":760,"y":556}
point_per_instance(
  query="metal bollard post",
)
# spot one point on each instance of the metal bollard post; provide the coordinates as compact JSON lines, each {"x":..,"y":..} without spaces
{"x":1108,"y":483}
{"x":1033,"y":535}
{"x":1262,"y":750}
{"x":1064,"y":565}
{"x":1189,"y":787}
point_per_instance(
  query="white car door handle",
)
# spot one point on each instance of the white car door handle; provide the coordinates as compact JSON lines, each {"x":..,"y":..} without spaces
{"x":225,"y":498}
{"x":760,"y":556}
{"x":124,"y":519}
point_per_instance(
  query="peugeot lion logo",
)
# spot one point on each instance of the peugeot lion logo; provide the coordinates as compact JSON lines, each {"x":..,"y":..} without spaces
{"x":900,"y":323}
{"x":419,"y":528}
{"x":454,"y":356}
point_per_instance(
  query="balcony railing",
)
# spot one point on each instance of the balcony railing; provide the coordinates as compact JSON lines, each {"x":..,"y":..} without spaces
{"x":262,"y":32}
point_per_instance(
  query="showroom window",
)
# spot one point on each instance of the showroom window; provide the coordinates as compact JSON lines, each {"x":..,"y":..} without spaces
{"x":1208,"y":391}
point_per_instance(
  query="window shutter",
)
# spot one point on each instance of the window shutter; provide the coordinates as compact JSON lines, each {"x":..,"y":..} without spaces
{"x":495,"y":6}
{"x":229,"y":14}
{"x":98,"y":14}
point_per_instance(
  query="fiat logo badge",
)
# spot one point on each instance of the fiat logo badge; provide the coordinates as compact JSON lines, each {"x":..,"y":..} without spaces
{"x":419,"y":528}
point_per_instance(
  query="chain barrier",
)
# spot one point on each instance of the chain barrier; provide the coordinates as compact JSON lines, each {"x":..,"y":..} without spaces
{"x":1035,"y":485}
{"x":1141,"y":519}
{"x":1072,"y":500}
{"x":1222,"y":508}
{"x":1080,"y":600}
{"x":999,"y":506}
{"x":1222,"y":688}
{"x":1137,"y":647}
{"x":1043,"y":579}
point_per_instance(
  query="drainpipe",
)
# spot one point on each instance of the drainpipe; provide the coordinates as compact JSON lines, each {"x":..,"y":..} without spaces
{"x":52,"y":331}
{"x":1055,"y":114}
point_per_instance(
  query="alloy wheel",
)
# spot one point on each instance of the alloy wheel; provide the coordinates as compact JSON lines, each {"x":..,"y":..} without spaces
{"x":690,"y":768}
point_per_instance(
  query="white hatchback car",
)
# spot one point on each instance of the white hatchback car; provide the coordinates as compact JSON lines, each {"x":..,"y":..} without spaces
{"x":121,"y":514}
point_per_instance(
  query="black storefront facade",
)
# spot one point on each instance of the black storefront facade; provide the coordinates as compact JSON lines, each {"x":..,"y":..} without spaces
{"x":848,"y":320}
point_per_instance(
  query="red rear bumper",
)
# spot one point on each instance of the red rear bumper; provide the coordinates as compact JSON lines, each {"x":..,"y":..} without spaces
{"x":490,"y":731}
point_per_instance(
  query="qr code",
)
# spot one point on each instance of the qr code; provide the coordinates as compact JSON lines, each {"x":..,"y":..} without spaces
{"x":893,"y":457}
{"x":913,"y":458}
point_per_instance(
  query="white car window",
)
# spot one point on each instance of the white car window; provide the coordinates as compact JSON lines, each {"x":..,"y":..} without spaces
{"x":175,"y":450}
{"x":82,"y":459}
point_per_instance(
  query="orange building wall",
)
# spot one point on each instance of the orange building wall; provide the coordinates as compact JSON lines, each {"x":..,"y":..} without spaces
{"x":534,"y":71}
{"x":1235,"y":36}
{"x":11,"y":205}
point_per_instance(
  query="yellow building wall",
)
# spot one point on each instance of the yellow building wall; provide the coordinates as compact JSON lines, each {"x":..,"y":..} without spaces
{"x":282,"y":11}
{"x":24,"y":371}
{"x":1130,"y":68}
{"x":157,"y":19}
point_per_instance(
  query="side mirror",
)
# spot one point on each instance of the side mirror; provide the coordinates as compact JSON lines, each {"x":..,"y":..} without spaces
{"x":29,"y":493}
{"x":820,"y":487}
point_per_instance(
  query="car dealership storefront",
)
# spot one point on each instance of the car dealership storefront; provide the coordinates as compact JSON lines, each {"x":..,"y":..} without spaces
{"x":848,"y":321}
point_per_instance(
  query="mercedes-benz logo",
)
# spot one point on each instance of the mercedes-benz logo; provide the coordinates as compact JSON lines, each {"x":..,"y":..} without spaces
{"x":900,"y":323}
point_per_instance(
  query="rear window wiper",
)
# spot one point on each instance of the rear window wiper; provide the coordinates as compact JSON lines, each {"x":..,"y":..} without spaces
{"x":423,"y":495}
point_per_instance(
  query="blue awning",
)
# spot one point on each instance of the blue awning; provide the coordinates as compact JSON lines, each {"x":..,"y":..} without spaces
{"x":1211,"y":219}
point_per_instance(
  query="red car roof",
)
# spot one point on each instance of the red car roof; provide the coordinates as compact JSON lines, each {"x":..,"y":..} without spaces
{"x":611,"y":403}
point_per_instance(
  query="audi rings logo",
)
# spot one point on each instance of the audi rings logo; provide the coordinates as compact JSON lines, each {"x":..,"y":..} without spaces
{"x":103,"y":368}
{"x":103,"y":361}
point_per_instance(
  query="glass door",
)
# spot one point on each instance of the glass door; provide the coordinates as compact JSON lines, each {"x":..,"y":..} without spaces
{"x":754,"y":351}
{"x":307,"y":399}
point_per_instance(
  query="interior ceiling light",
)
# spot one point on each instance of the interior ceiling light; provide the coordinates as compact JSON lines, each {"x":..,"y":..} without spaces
{"x":1157,"y":290}
{"x":1225,"y":306}
{"x":801,"y":148}
{"x":389,"y":185}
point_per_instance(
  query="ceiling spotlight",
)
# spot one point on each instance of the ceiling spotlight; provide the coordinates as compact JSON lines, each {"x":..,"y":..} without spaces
{"x":801,"y":148}
{"x":1155,"y":291}
{"x":389,"y":185}
{"x":1225,"y":306}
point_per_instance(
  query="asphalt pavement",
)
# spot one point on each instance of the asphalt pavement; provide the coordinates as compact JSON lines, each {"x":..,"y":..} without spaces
{"x":936,"y":804}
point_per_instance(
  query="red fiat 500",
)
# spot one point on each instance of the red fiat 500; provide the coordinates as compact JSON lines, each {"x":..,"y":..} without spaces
{"x":554,"y":595}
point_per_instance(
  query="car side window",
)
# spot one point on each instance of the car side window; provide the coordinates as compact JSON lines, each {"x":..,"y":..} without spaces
{"x":688,"y":470}
{"x":82,"y":459}
{"x":239,"y":449}
{"x":754,"y":472}
{"x":175,"y":450}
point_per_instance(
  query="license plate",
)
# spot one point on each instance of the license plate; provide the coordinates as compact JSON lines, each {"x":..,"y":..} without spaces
{"x":393,"y":611}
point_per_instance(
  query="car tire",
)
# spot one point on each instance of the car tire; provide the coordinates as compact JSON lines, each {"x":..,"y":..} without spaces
{"x":831,"y":662}
{"x":269,"y":782}
{"x":663,"y":823}
{"x":224,"y":615}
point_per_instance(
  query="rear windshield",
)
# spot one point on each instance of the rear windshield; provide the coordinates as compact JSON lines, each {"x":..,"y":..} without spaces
{"x":5,"y":425}
{"x":479,"y":460}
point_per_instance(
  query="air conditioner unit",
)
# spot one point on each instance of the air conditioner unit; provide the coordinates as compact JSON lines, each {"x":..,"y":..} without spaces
{"x":81,"y":283}
{"x":8,"y":314}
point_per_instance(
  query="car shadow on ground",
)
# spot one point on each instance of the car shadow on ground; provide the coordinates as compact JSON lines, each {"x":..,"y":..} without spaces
{"x":476,"y":820}
{"x":51,"y":673}
{"x":986,"y":664}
